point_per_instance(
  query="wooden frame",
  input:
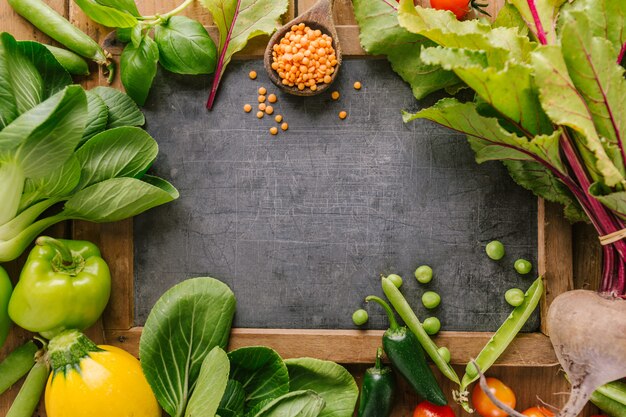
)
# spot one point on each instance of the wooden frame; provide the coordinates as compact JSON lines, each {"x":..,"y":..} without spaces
{"x":531,"y":353}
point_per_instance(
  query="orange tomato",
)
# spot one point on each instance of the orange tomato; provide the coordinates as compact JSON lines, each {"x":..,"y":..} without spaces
{"x":538,"y":412}
{"x":483,"y":404}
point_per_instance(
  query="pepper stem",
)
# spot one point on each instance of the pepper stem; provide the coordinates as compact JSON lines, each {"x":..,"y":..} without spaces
{"x":393,"y":323}
{"x":379,"y":357}
{"x":63,"y":251}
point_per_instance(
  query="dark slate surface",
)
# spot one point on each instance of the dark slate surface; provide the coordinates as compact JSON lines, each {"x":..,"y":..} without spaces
{"x":302,"y":224}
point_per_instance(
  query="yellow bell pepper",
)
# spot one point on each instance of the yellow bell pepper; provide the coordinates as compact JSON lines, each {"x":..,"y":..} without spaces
{"x":95,"y":381}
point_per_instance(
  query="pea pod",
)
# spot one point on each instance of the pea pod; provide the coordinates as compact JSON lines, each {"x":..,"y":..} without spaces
{"x":72,"y":63}
{"x":28,"y":398}
{"x":503,"y":337}
{"x":46,"y":19}
{"x":404,"y":310}
{"x":16,"y":365}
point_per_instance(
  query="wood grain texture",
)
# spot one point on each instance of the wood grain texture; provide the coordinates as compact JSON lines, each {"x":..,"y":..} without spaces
{"x":554,"y":253}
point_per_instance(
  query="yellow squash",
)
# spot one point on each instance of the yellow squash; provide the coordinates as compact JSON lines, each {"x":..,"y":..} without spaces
{"x":95,"y":381}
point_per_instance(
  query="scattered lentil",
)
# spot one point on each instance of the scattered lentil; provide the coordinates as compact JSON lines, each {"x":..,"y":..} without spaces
{"x":261,"y":99}
{"x":278,"y":118}
{"x":247,"y":108}
{"x":284,"y":126}
{"x":262,"y":91}
{"x":274,"y":130}
{"x":357,"y":85}
{"x":343,"y":115}
{"x":260,"y":114}
{"x":269,"y":110}
{"x":272,"y":98}
{"x":262,"y":106}
{"x":252,"y":75}
{"x":335,"y":95}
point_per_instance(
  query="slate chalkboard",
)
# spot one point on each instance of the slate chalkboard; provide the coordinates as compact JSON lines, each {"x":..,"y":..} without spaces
{"x":300,"y":225}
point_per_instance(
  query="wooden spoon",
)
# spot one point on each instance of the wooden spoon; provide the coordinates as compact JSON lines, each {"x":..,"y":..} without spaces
{"x":320,"y":16}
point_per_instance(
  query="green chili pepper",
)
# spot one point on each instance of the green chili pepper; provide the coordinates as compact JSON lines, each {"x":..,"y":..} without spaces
{"x":503,"y":337}
{"x":406,"y":313}
{"x":65,"y":284}
{"x":16,"y":365}
{"x":407,"y":357}
{"x":378,"y":390}
{"x":46,"y":19}
{"x":5,"y":295}
{"x":29,"y":395}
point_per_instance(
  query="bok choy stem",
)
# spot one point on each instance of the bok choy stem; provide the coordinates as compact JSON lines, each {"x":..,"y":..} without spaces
{"x":11,"y":186}
{"x":12,"y":248}
{"x":20,"y":222}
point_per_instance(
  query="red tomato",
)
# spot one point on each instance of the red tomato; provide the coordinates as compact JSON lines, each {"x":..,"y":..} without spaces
{"x":483,"y":404}
{"x":459,"y":7}
{"x":538,"y":412}
{"x":426,"y":409}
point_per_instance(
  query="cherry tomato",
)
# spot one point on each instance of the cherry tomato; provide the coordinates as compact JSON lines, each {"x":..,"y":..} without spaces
{"x":426,"y":409}
{"x":483,"y":404}
{"x":538,"y":412}
{"x":459,"y":7}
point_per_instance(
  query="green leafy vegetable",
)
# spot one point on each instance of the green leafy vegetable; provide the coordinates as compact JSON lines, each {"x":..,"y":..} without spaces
{"x":233,"y":400}
{"x":381,"y":34}
{"x":107,"y":15}
{"x":138,"y":66}
{"x":331,"y":381}
{"x":261,"y":372}
{"x":122,"y":109}
{"x":185,"y":46}
{"x":185,"y":324}
{"x":294,"y":404}
{"x":239,"y":21}
{"x":211,"y":384}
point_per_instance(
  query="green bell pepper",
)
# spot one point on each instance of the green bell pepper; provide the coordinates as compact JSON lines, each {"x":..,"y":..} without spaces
{"x":65,"y":284}
{"x":5,"y":295}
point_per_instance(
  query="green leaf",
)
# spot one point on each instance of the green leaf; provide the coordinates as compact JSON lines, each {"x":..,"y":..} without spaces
{"x":536,"y":178}
{"x":97,"y":116}
{"x":615,"y":201}
{"x":30,"y":74}
{"x":563,"y":103}
{"x":123,"y":5}
{"x":138,"y":66}
{"x":381,"y":34}
{"x":238,"y":21}
{"x":105,"y":15}
{"x":261,"y":372}
{"x":488,"y":139}
{"x":592,"y":65}
{"x":509,"y":17}
{"x":506,"y":86}
{"x":443,"y":28}
{"x":123,"y":111}
{"x":185,"y":46}
{"x":329,"y":380}
{"x":294,"y":404}
{"x":211,"y":384}
{"x":117,"y":199}
{"x":604,"y":18}
{"x":119,"y":152}
{"x":234,"y":398}
{"x":60,"y":182}
{"x":548,"y":13}
{"x":186,"y":323}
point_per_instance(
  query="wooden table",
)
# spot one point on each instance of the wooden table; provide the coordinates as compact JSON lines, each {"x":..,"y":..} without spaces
{"x":578,"y":243}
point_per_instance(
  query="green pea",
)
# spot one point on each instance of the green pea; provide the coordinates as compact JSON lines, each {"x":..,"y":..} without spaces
{"x":431,"y":299}
{"x":495,"y":250}
{"x":514,"y":296}
{"x":432,"y":325}
{"x":360,"y":317}
{"x":424,"y":274}
{"x":444,"y":352}
{"x":395,"y":279}
{"x":522,"y":266}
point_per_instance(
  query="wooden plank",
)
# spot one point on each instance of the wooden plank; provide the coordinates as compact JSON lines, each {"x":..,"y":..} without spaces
{"x":554,"y":254}
{"x":587,"y":256}
{"x":356,"y":346}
